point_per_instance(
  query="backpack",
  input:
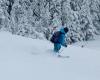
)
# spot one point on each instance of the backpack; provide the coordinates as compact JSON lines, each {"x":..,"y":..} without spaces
{"x":55,"y":37}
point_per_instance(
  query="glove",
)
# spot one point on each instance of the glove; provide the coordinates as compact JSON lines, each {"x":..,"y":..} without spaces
{"x":65,"y":45}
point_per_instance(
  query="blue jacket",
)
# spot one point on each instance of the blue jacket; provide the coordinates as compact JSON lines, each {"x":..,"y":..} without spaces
{"x":61,"y":38}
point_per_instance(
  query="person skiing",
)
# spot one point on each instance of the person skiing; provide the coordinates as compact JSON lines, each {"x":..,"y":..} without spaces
{"x":60,"y":39}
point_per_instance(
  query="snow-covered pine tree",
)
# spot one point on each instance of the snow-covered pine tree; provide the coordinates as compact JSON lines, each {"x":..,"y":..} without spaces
{"x":32,"y":18}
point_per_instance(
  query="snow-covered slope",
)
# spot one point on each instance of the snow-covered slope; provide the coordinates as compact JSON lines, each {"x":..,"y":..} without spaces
{"x":27,"y":59}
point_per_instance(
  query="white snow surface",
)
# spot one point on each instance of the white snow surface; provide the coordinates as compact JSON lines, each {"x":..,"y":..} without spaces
{"x":32,"y":59}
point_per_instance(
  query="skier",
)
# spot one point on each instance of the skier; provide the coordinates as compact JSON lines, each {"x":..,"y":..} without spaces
{"x":60,"y":39}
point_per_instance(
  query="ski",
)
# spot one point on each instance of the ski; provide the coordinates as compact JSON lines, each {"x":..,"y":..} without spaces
{"x":61,"y":56}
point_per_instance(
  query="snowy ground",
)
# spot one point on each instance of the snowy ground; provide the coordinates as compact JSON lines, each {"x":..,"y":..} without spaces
{"x":27,"y":59}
